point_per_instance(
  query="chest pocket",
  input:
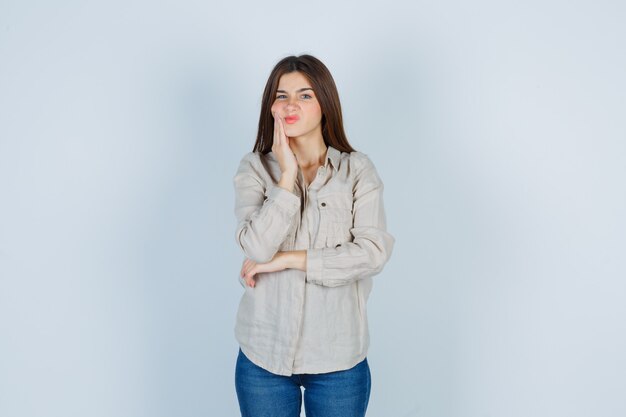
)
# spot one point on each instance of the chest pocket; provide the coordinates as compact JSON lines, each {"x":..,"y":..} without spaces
{"x":336,"y":217}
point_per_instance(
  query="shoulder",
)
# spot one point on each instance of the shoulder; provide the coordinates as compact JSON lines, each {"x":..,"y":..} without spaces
{"x":364,"y":170}
{"x":250,"y":165}
{"x":251,"y":160}
{"x":360,"y":161}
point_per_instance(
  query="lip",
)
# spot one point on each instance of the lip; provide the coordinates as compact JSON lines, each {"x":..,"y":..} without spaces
{"x":291,"y":119}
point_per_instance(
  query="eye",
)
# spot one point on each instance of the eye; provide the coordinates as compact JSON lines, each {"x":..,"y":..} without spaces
{"x":280,"y":95}
{"x":309,"y":96}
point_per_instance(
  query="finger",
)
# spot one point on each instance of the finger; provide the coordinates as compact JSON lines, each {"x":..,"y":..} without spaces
{"x":249,"y":264}
{"x":277,"y":138}
{"x":281,"y":127}
{"x":250,"y":282}
{"x":241,"y":271}
{"x":251,"y":271}
{"x":275,"y":128}
{"x":281,"y":133}
{"x":244,"y":266}
{"x":247,"y":282}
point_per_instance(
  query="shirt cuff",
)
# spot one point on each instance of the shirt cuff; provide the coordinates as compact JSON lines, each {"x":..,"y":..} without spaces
{"x":285,"y":199}
{"x":314,"y":264}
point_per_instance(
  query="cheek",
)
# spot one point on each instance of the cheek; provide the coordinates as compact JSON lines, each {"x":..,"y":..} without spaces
{"x":273,"y":107}
{"x":276,"y":107}
{"x":315,"y":112}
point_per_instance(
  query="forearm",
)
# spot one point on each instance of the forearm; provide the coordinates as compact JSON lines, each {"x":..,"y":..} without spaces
{"x":342,"y":265}
{"x":265,"y":211}
{"x":263,"y":225}
{"x":295,"y":259}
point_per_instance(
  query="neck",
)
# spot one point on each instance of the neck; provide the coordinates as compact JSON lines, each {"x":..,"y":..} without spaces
{"x":309,"y":151}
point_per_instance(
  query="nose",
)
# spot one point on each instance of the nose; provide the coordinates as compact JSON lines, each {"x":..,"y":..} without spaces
{"x":291,"y":104}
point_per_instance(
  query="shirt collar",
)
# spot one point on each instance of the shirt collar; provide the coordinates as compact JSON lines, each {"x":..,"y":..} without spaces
{"x":333,"y":155}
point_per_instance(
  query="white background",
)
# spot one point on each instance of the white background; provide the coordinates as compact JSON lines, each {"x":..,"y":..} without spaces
{"x":497,"y":127}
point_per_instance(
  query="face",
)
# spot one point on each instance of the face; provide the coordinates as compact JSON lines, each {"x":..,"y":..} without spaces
{"x":295,"y":97}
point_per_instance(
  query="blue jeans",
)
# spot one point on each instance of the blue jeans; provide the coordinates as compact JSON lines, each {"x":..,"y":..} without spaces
{"x":333,"y":394}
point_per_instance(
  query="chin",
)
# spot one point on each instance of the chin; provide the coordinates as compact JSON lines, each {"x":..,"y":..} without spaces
{"x":292,"y":132}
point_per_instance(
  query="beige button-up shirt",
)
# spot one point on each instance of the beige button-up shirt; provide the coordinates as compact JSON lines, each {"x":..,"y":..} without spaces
{"x":311,"y":321}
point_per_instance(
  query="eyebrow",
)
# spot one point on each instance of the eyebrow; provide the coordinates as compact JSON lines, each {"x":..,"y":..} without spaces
{"x":297,"y":91}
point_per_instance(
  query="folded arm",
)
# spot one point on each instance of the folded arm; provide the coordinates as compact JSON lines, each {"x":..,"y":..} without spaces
{"x":372,"y":245}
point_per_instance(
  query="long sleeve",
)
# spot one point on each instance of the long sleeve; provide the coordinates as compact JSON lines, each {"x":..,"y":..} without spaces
{"x":372,"y":245}
{"x":262,"y":224}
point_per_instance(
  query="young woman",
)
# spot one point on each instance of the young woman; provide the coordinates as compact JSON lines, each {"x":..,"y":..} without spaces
{"x":312,"y":227}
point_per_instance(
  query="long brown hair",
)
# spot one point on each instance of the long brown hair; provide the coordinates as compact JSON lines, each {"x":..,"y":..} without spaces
{"x":326,"y":92}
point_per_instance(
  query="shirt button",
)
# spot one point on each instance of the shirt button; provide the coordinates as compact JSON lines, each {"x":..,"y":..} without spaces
{"x":323,"y":204}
